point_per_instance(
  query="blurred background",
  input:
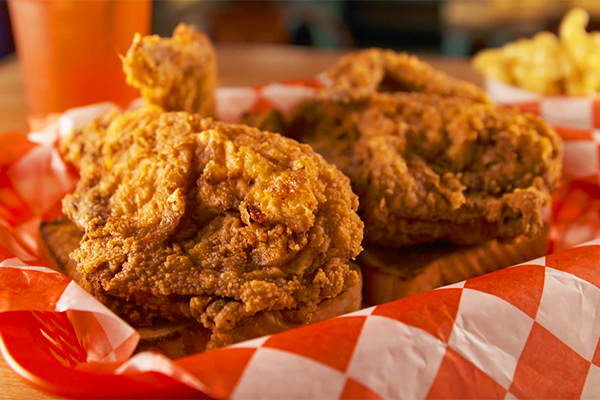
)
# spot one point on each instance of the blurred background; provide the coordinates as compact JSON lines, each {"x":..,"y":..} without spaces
{"x":450,"y":27}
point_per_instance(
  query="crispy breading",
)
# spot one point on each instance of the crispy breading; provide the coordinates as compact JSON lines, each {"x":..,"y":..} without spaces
{"x":371,"y":71}
{"x":431,"y":168}
{"x":178,"y":73}
{"x":184,"y":217}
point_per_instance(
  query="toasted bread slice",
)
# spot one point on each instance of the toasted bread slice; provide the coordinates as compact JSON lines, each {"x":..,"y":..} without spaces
{"x":393,"y":274}
{"x":57,"y":240}
{"x":60,"y":237}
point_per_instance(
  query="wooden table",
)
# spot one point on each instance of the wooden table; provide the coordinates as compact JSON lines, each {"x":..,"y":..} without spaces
{"x":238,"y":66}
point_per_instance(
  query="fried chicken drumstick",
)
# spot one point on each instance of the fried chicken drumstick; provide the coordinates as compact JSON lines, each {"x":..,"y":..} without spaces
{"x":432,"y":168}
{"x":184,"y":217}
{"x":178,"y":73}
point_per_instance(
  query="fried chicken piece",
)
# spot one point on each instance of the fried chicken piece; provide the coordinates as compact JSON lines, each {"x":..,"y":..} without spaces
{"x":429,"y":168}
{"x":375,"y":71}
{"x":184,"y":217}
{"x":178,"y":73}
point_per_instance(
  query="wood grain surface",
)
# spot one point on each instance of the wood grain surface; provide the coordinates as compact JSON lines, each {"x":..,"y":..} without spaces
{"x":239,"y":65}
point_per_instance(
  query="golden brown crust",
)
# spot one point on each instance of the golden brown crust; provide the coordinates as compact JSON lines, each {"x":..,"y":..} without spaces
{"x":430,"y":168}
{"x":189,"y":218}
{"x":60,"y":237}
{"x":371,"y":71}
{"x":178,"y":73}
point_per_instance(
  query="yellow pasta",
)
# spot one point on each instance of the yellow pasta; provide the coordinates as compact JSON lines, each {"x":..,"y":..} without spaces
{"x":547,"y":64}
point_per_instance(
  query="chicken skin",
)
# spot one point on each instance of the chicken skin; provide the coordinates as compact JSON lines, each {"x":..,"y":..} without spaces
{"x":184,"y":217}
{"x":432,"y":168}
{"x":178,"y":73}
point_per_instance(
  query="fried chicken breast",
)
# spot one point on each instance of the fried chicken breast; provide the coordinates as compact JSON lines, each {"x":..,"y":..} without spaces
{"x":428,"y":167}
{"x":178,"y":73}
{"x":374,"y":70}
{"x":184,"y":217}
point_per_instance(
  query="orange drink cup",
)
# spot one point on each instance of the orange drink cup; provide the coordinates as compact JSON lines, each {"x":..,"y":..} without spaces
{"x":68,"y":49}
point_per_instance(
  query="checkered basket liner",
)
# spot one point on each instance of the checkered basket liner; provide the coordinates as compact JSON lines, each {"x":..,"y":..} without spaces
{"x":529,"y":331}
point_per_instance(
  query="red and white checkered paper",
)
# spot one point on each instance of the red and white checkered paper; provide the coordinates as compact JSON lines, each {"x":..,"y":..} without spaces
{"x":530,"y":331}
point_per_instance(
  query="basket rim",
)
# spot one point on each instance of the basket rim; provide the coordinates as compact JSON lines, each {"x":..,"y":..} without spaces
{"x":21,"y":345}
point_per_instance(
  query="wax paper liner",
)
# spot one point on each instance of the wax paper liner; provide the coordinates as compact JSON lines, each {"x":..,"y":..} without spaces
{"x":529,"y":331}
